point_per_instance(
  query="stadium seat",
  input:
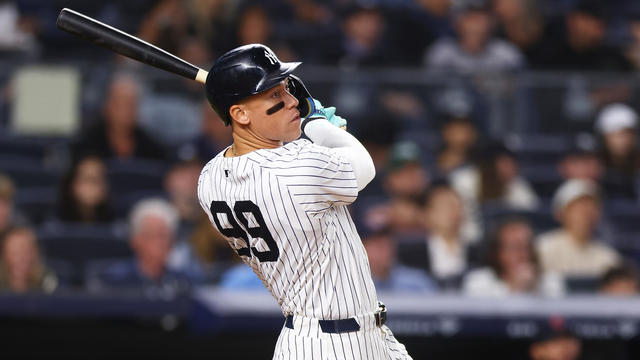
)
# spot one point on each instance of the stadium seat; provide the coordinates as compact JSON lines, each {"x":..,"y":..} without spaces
{"x":134,"y":175}
{"x":623,"y":215}
{"x":26,"y":171}
{"x":78,"y":244}
{"x":582,"y":284}
{"x":23,"y":146}
{"x":36,"y":203}
{"x":541,"y":219}
{"x":123,"y":202}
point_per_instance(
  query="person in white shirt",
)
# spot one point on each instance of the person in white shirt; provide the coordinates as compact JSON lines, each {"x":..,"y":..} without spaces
{"x":493,"y":180}
{"x":446,"y":254}
{"x":573,"y":249}
{"x":512,"y":266}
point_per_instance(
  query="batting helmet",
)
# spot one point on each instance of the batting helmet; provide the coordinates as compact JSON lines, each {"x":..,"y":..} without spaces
{"x":242,"y":72}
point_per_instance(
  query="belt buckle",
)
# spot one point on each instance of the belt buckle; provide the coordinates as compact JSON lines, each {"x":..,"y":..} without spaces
{"x":381,"y":314}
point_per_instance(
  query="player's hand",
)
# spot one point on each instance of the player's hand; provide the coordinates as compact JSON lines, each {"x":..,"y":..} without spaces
{"x":310,"y":107}
{"x":328,"y":113}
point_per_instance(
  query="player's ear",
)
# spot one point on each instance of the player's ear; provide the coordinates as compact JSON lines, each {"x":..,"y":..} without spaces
{"x":239,"y":114}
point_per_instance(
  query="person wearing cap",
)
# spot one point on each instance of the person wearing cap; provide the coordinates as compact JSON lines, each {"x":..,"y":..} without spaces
{"x":580,"y":46}
{"x":475,"y":50}
{"x":405,"y":182}
{"x":617,"y":127}
{"x":573,"y":250}
{"x":406,"y":176}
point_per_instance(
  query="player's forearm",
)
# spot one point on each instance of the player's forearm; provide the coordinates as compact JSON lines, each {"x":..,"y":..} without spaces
{"x":323,"y":133}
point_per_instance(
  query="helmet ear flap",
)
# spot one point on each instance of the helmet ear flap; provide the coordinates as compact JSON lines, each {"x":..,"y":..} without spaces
{"x":296,"y":87}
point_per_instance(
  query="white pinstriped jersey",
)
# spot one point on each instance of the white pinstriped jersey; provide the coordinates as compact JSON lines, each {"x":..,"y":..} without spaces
{"x":284,"y":211}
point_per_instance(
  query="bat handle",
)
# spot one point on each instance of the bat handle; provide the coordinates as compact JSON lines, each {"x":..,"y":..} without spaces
{"x":201,"y":76}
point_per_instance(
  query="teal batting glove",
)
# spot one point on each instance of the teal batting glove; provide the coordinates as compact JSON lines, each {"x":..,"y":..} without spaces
{"x":317,"y":110}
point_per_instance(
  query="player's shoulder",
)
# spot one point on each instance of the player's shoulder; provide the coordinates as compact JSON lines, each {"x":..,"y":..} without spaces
{"x":213,"y":162}
{"x":293,"y":151}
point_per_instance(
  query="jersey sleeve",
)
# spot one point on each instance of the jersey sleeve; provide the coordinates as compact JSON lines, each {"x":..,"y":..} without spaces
{"x":317,"y":178}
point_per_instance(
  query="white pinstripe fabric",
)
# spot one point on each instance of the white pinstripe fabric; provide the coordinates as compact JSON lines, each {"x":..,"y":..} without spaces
{"x":322,"y":271}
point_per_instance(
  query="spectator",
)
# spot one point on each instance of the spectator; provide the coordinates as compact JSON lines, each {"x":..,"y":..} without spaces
{"x":435,"y":16}
{"x":555,"y":342}
{"x":166,"y":25}
{"x":17,"y":33}
{"x":211,"y":248}
{"x":521,"y":23}
{"x":22,"y":268}
{"x":582,"y":47}
{"x":84,"y":195}
{"x":427,"y":18}
{"x":387,"y":274}
{"x":581,"y":163}
{"x":493,"y":180}
{"x":254,"y":26}
{"x":459,"y":136}
{"x":513,"y":266}
{"x":633,"y":49}
{"x":406,"y":176}
{"x":363,"y":39}
{"x":209,"y":20}
{"x":475,"y":50}
{"x":620,"y":280}
{"x":212,"y":138}
{"x":448,"y":253}
{"x":169,"y":112}
{"x":405,"y":183}
{"x":117,"y":134}
{"x":153,"y":228}
{"x":7,"y":191}
{"x":573,"y":250}
{"x":180,"y":184}
{"x":617,"y":126}
{"x":499,"y":180}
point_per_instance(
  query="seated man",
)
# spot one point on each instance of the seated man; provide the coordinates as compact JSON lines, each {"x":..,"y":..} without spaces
{"x":153,"y":229}
{"x":573,"y":250}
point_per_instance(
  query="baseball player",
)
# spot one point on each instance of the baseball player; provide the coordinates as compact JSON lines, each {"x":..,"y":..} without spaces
{"x":282,"y":203}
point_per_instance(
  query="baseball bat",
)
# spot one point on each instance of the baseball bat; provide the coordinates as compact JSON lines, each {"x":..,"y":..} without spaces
{"x":125,"y":44}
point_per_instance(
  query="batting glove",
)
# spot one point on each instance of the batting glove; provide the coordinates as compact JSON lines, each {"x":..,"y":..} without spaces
{"x":317,"y":110}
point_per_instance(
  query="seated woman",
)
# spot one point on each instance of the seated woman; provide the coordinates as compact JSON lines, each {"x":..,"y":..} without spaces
{"x":512,"y":266}
{"x":21,"y":268}
{"x":84,"y":193}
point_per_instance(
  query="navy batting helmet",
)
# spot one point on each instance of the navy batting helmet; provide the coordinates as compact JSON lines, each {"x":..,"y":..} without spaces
{"x":242,"y":72}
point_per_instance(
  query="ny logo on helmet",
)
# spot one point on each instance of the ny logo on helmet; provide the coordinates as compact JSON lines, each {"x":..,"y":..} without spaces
{"x":271,"y":56}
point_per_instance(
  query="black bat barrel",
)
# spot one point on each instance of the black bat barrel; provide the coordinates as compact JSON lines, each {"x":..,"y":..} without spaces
{"x":122,"y":43}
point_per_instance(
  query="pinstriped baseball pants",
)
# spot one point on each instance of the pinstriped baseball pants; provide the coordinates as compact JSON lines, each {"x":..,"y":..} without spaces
{"x":307,"y":341}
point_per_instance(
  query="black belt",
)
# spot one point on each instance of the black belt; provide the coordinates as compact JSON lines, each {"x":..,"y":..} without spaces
{"x":344,"y":325}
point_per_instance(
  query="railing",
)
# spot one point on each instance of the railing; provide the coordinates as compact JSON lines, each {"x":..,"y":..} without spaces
{"x":517,"y":103}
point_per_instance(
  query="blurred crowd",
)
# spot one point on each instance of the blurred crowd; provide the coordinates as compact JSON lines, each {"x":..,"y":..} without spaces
{"x":453,"y":209}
